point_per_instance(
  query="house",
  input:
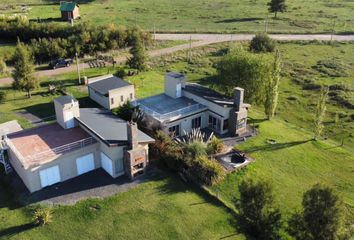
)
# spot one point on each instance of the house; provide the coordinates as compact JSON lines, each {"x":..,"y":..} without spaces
{"x":185,"y":106}
{"x":69,"y":11}
{"x":81,"y":140}
{"x":110,"y":91}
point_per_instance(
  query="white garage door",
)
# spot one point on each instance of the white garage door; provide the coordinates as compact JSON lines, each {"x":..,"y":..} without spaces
{"x":107,"y":164}
{"x":49,"y":176}
{"x":85,"y":164}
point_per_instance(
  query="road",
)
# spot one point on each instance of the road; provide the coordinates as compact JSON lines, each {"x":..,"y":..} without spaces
{"x":198,"y":41}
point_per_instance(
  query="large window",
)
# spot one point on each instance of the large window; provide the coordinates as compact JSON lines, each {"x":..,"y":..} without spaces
{"x":196,"y":122}
{"x":112,"y":101}
{"x":174,"y":130}
{"x":214,"y":123}
{"x":226,"y":124}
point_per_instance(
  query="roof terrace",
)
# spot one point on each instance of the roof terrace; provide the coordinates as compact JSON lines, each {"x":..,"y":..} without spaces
{"x":165,"y":108}
{"x":39,"y":145}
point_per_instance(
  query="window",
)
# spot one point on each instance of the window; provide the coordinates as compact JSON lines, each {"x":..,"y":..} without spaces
{"x":196,"y":122}
{"x":226,"y":124}
{"x":214,"y":123}
{"x":174,"y":130}
{"x":131,"y":96}
{"x":122,"y":98}
{"x":112,"y":101}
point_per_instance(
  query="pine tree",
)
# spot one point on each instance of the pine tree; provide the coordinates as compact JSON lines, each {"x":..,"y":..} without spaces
{"x":271,"y":101}
{"x":23,"y":70}
{"x":320,"y":113}
{"x":276,"y":6}
{"x":139,"y":57}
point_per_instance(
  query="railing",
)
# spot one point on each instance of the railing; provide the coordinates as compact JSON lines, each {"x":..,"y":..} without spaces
{"x":36,"y":159}
{"x":170,"y":115}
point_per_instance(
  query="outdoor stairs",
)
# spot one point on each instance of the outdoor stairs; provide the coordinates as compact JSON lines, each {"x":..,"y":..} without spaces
{"x":7,"y":166}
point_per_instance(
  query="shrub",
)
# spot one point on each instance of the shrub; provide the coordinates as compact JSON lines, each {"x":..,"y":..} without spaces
{"x":262,"y":43}
{"x":206,"y":171}
{"x":42,"y":216}
{"x":2,"y":96}
{"x":215,"y":145}
{"x":195,"y":149}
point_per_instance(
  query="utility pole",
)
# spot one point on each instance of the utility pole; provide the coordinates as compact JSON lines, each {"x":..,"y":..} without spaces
{"x":332,"y":33}
{"x":190,"y":49}
{"x":78,"y":68}
{"x":154,"y":33}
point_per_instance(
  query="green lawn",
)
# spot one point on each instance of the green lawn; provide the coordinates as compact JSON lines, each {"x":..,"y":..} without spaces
{"x":294,"y":164}
{"x":164,"y":208}
{"x":204,"y":16}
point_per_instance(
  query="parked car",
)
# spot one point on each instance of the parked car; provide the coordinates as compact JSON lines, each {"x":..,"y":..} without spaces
{"x":60,"y":62}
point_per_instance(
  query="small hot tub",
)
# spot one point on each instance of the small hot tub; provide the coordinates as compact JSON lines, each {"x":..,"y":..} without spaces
{"x":233,"y":160}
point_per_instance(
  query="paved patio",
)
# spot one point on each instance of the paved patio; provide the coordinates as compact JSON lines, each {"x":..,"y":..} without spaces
{"x":95,"y":184}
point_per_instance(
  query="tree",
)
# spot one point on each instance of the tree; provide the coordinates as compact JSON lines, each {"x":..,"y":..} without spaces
{"x":320,"y":218}
{"x":3,"y":67}
{"x":23,"y":70}
{"x":242,"y":69}
{"x":271,"y":100}
{"x":276,"y":6}
{"x":320,"y":112}
{"x":258,"y":216}
{"x":139,"y":57}
{"x":262,"y":43}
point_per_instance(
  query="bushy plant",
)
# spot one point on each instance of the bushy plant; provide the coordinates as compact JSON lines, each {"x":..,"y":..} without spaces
{"x":215,"y":145}
{"x":42,"y":216}
{"x":195,"y":149}
{"x":206,"y":171}
{"x":262,"y":43}
{"x":2,"y":96}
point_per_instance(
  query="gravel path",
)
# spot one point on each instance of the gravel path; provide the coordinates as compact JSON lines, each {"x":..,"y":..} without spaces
{"x":199,"y":40}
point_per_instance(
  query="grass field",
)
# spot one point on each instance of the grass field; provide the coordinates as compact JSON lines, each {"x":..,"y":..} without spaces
{"x":202,"y":16}
{"x":164,"y":208}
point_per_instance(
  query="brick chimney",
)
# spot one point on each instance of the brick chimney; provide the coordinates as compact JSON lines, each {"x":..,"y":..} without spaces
{"x":132,"y":131}
{"x":238,"y":98}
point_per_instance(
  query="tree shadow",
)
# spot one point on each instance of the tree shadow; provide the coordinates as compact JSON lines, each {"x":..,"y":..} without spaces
{"x":256,"y":120}
{"x":9,"y":232}
{"x":233,"y":20}
{"x":276,"y":146}
{"x":42,"y":110}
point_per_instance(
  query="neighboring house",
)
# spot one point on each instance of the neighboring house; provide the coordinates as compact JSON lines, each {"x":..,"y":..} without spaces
{"x":110,"y":91}
{"x":69,"y":10}
{"x":185,"y":106}
{"x":80,"y":141}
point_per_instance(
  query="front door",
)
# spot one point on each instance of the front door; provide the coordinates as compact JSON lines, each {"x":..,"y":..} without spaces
{"x":49,"y":176}
{"x":85,"y":164}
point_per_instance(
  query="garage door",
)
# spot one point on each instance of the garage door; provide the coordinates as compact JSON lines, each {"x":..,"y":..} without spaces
{"x":85,"y":164}
{"x":49,"y":176}
{"x":107,"y":164}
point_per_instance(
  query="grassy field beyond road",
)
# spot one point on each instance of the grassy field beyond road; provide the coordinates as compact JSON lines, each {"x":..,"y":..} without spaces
{"x":203,"y":16}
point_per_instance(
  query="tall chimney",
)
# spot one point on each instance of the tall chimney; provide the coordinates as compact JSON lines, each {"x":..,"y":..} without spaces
{"x":132,"y":130}
{"x":238,"y":98}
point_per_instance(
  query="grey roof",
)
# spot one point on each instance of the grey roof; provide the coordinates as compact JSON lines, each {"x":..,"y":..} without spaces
{"x":105,"y":85}
{"x":208,"y":94}
{"x":9,"y":127}
{"x":106,"y":126}
{"x":175,"y":75}
{"x":65,"y":99}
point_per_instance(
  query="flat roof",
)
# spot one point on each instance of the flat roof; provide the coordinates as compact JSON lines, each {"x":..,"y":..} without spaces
{"x":43,"y":139}
{"x":65,"y":99}
{"x":108,"y":127}
{"x":103,"y":86}
{"x":164,"y":104}
{"x":208,"y":94}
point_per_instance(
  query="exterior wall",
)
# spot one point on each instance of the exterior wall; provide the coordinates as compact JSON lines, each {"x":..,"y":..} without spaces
{"x":76,"y":13}
{"x":102,"y":100}
{"x":117,"y":93}
{"x":185,"y":124}
{"x":66,"y":163}
{"x":61,"y":110}
{"x":171,"y":85}
{"x":116,"y":155}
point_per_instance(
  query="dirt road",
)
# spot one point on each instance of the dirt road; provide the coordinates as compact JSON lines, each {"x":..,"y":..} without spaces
{"x":198,"y":41}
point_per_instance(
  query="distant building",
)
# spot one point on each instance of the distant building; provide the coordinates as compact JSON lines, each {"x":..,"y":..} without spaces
{"x":69,"y":10}
{"x":110,"y":91}
{"x":185,"y":106}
